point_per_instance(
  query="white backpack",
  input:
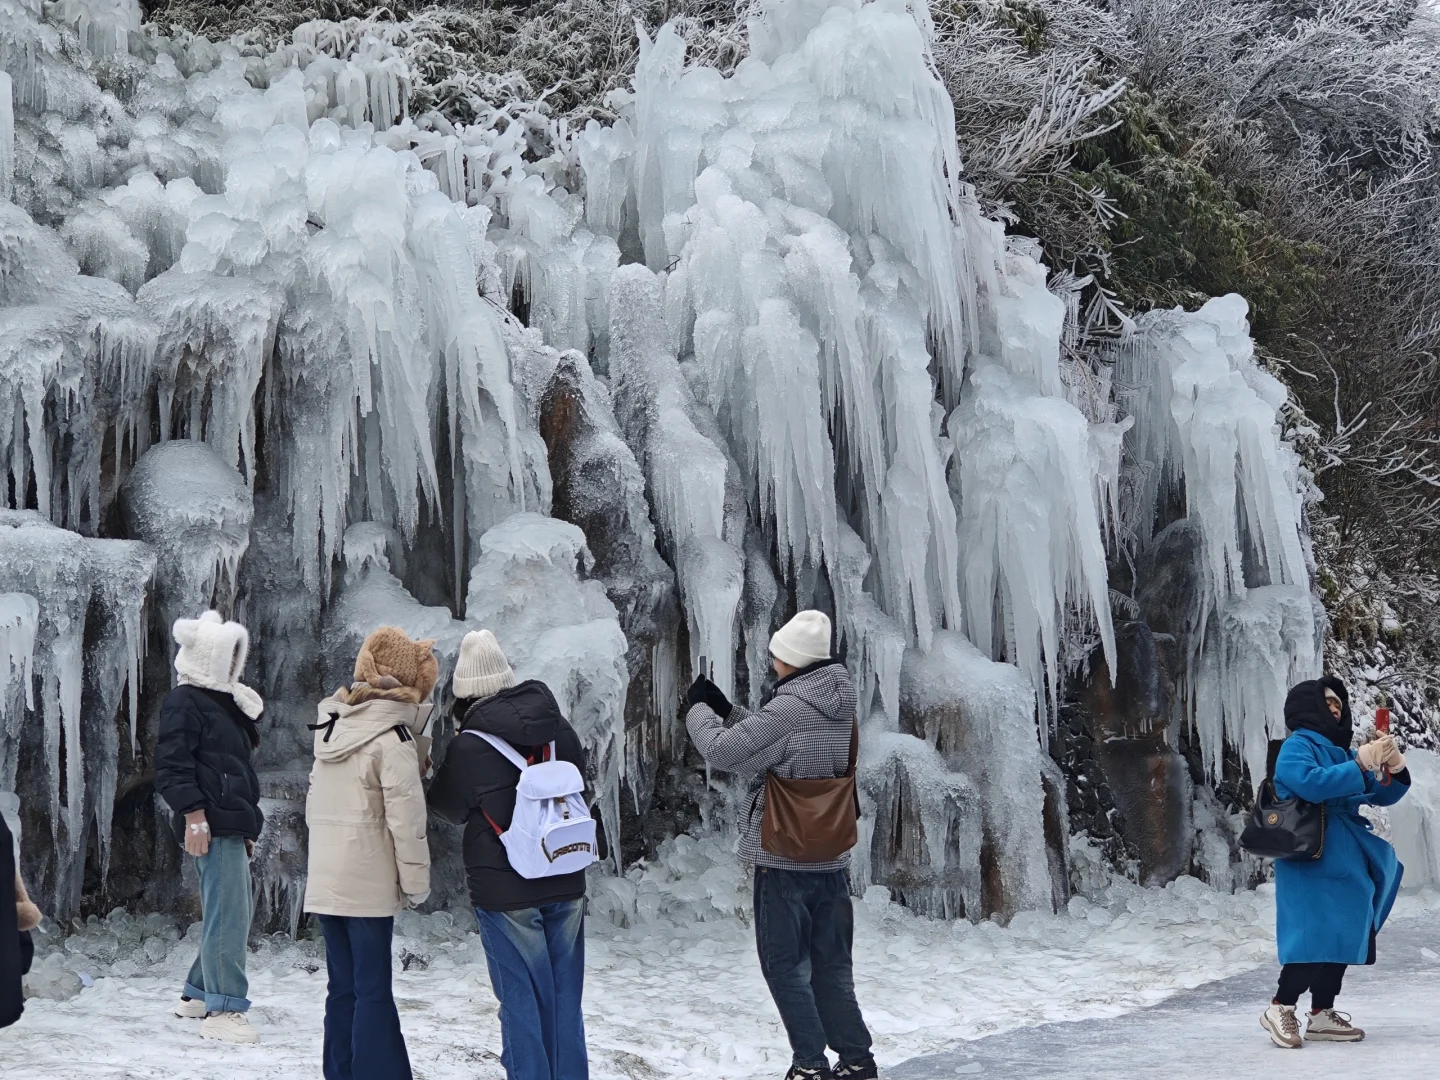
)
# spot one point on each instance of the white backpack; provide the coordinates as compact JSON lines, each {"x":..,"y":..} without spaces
{"x":552,"y":832}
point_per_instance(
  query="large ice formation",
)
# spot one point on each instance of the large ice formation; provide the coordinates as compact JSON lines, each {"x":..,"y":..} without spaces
{"x":1207,"y":427}
{"x":257,"y":319}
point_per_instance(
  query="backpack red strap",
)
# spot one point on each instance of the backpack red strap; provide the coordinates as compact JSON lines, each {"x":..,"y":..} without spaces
{"x":498,"y":831}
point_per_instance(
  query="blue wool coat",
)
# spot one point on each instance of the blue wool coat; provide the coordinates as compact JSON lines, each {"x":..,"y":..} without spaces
{"x":1325,"y":908}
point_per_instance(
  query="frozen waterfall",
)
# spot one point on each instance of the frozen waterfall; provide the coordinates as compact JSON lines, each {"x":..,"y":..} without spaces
{"x":257,"y":350}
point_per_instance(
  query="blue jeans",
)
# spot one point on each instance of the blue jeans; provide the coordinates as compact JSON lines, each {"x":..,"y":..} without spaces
{"x":218,"y":974}
{"x":537,"y":967}
{"x":804,"y":928}
{"x":362,"y":1026}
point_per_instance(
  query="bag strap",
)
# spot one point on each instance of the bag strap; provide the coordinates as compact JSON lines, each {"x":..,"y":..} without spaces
{"x":854,"y":746}
{"x":506,"y":750}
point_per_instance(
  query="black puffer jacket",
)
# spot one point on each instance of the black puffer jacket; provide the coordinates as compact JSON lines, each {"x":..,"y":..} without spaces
{"x":12,"y":965}
{"x":476,"y":787}
{"x":202,"y":762}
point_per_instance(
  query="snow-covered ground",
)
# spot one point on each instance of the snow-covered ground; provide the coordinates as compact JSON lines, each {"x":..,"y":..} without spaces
{"x":674,"y":992}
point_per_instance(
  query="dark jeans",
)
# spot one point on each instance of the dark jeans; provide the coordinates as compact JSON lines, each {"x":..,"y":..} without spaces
{"x":804,"y":928}
{"x":1322,"y":980}
{"x":362,"y":1026}
{"x":536,"y":958}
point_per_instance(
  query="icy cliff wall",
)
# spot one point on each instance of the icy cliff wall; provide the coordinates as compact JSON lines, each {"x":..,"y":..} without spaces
{"x":330,"y":365}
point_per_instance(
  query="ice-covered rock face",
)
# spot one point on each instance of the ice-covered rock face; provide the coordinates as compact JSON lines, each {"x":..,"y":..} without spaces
{"x":806,"y":372}
{"x":979,"y":715}
{"x":71,"y":644}
{"x":554,"y":625}
{"x":560,"y":630}
{"x":1206,"y":425}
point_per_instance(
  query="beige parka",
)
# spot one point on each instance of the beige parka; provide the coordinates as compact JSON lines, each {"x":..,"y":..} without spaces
{"x":366,"y":808}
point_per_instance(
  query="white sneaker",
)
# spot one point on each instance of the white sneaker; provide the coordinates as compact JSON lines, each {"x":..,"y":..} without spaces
{"x":1279,"y":1021}
{"x":191,"y":1009}
{"x":1330,"y":1026}
{"x":230,"y":1027}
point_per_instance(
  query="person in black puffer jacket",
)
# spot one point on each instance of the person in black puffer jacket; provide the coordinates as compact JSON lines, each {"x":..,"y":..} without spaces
{"x":208,"y":731}
{"x":12,"y":941}
{"x":533,"y":930}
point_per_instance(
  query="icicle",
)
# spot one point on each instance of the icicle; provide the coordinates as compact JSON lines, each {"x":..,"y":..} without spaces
{"x":19,"y":621}
{"x":216,"y":335}
{"x":7,"y":137}
{"x":1262,"y":643}
{"x":467,"y":342}
{"x":53,"y":566}
{"x":75,"y":355}
{"x":875,"y":642}
{"x":605,"y":154}
{"x":104,"y":26}
{"x":1028,"y":523}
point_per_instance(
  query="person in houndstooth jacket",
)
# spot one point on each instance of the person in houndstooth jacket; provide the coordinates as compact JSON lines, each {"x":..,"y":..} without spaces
{"x":804,"y":921}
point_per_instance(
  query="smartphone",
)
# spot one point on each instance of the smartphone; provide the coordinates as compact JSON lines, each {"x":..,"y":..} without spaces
{"x":702,"y":669}
{"x":1382,"y":720}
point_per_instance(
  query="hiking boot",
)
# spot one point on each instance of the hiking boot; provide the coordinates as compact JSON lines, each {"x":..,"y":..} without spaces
{"x":801,"y":1072}
{"x":856,"y":1070}
{"x":229,"y":1027}
{"x":1327,"y":1025}
{"x":1284,"y":1028}
{"x":191,"y":1009}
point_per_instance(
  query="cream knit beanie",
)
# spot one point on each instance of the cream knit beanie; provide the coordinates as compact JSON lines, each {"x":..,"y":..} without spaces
{"x":802,"y":641}
{"x":482,"y":669}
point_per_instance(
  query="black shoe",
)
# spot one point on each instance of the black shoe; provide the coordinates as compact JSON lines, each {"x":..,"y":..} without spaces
{"x":800,"y":1072}
{"x":859,"y":1070}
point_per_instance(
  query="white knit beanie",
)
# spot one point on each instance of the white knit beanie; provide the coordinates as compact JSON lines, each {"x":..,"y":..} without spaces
{"x":482,"y":669}
{"x":802,"y":641}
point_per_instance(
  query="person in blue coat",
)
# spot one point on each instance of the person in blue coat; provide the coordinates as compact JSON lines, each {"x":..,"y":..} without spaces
{"x":1328,"y":910}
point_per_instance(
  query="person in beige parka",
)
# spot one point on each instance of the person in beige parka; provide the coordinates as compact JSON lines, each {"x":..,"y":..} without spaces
{"x":369,"y":856}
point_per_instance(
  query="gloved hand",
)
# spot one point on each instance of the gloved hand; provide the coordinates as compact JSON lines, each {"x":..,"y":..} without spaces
{"x":1373,"y":754}
{"x":703,"y":691}
{"x":1396,"y":760}
{"x":697,"y":692}
{"x":716,"y":699}
{"x":416,"y":899}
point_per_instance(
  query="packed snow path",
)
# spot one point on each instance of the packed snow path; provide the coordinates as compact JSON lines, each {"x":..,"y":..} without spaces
{"x":1214,"y":1031}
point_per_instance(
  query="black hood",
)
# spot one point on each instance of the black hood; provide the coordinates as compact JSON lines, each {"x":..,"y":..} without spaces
{"x":523,"y":715}
{"x":1305,"y":709}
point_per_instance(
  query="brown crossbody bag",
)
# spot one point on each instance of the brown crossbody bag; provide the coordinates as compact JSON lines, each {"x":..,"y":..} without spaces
{"x":812,"y":821}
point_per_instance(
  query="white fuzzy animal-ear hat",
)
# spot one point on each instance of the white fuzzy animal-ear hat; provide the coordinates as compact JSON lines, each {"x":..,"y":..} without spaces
{"x":212,"y":654}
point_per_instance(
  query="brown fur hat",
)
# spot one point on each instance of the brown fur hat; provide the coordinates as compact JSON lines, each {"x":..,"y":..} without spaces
{"x":390,"y":661}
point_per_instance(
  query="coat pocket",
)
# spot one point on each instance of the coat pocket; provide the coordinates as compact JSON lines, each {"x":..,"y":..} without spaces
{"x":235,"y":793}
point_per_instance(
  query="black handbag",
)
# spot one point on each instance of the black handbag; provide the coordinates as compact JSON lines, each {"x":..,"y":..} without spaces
{"x":1284,"y":828}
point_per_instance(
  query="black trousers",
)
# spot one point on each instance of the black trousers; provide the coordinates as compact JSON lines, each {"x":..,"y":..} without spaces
{"x":1322,"y":980}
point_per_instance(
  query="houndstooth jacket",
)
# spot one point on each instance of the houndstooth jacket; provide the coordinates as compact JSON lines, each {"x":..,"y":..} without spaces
{"x":802,"y":732}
